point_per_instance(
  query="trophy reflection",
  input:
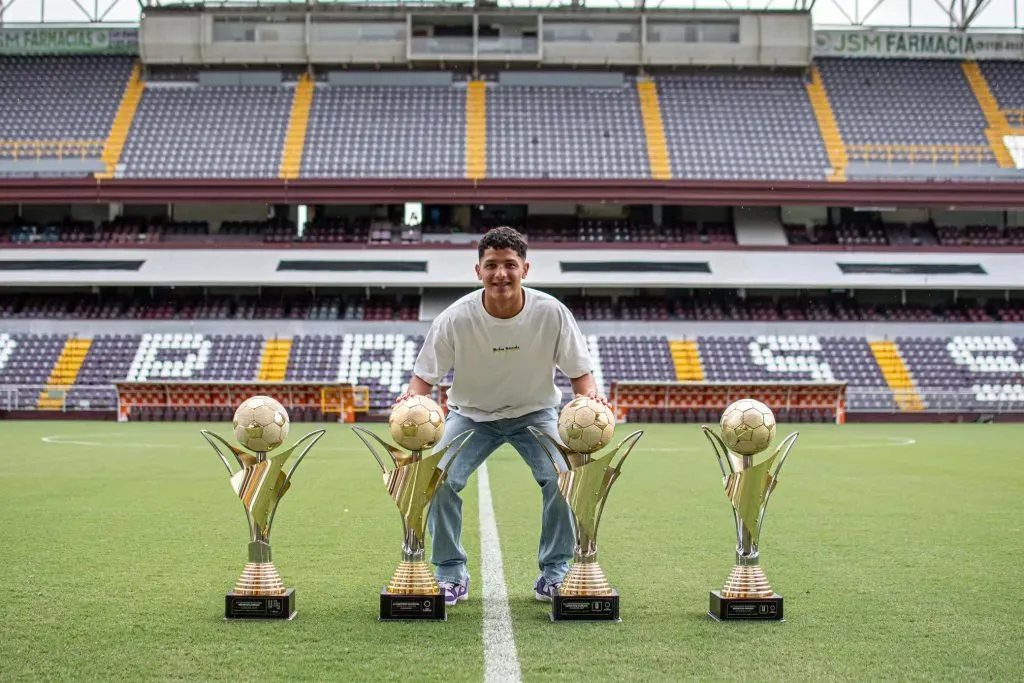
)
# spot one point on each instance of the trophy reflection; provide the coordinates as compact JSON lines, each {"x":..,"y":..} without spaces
{"x":748,"y":427}
{"x":261,"y":425}
{"x":412,"y":479}
{"x":585,"y":480}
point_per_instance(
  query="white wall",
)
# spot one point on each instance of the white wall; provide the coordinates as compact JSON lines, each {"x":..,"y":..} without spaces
{"x":759,"y":226}
{"x":454,"y":268}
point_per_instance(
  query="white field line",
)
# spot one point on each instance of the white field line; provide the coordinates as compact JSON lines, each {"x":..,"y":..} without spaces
{"x":501,"y":663}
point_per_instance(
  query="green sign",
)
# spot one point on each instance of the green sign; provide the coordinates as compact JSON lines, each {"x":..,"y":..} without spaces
{"x":918,"y":45}
{"x":69,"y":41}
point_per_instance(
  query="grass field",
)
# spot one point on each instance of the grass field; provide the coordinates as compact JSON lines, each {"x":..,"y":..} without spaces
{"x":895,"y":547}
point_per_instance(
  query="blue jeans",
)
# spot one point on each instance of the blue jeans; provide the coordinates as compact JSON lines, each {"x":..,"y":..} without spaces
{"x":557,"y":537}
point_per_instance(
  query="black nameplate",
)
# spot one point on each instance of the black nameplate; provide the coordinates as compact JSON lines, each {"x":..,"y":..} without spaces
{"x":585,"y":608}
{"x":745,"y":609}
{"x":394,"y":607}
{"x":260,"y":606}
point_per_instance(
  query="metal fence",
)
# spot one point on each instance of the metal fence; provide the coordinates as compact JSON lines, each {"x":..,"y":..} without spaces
{"x":22,"y":397}
{"x":934,"y":401}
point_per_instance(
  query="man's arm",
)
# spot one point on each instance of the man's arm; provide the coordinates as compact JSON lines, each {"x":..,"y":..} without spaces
{"x":585,"y":385}
{"x":435,"y":359}
{"x":418,"y":387}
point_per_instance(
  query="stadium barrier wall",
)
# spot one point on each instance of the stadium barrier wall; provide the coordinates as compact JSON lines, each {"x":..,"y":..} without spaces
{"x":705,"y":401}
{"x":217,"y":401}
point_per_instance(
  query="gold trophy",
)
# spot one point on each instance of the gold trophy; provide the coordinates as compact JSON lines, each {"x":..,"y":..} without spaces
{"x":748,"y":427}
{"x":585,"y":480}
{"x":412,"y":479}
{"x":261,"y":425}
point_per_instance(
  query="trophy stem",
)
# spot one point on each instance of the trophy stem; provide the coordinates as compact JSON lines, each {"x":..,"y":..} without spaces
{"x":413,"y":578}
{"x":259,"y":578}
{"x":747,"y":581}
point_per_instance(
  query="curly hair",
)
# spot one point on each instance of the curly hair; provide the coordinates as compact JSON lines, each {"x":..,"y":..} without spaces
{"x":503,"y":238}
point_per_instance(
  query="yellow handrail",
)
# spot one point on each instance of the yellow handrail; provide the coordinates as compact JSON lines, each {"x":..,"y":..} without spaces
{"x":50,"y":149}
{"x":957,"y":154}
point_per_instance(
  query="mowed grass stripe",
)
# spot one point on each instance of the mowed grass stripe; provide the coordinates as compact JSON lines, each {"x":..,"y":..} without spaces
{"x":117,"y":559}
{"x":889,"y":559}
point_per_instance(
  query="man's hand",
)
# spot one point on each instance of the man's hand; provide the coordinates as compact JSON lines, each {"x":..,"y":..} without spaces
{"x":417,"y":387}
{"x":595,"y":396}
{"x":586,"y":386}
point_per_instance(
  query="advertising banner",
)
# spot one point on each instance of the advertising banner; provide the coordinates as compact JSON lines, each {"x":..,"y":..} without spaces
{"x":895,"y":44}
{"x":86,"y":40}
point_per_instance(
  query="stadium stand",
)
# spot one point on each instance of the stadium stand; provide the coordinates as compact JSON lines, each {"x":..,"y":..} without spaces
{"x":887,"y":110}
{"x":386,"y":132}
{"x":56,"y":99}
{"x":1006,"y":81}
{"x":27,"y":358}
{"x":58,"y":113}
{"x":989,"y":366}
{"x":565,"y":132}
{"x":223,"y":357}
{"x":748,"y":127}
{"x":708,"y":305}
{"x":110,"y":359}
{"x":860,"y":230}
{"x":796,"y":358}
{"x":939,"y":369}
{"x":208,"y":131}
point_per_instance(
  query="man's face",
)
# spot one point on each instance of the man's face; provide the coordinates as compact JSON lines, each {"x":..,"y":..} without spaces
{"x":502,"y":271}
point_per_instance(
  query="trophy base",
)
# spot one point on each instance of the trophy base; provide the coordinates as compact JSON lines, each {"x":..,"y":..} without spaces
{"x":747,"y":609}
{"x":398,"y":607}
{"x":239,"y":606}
{"x":585,"y":607}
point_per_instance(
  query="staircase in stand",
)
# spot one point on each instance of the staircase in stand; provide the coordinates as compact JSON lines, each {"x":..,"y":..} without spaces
{"x":897,"y":376}
{"x":274,"y":361}
{"x":476,"y":130}
{"x":298,"y":122}
{"x":998,"y":126}
{"x":654,"y":130}
{"x":122,"y":123}
{"x":64,"y":373}
{"x":686,"y":358}
{"x":834,"y":145}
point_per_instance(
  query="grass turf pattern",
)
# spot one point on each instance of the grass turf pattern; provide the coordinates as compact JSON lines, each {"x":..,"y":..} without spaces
{"x":893,"y":545}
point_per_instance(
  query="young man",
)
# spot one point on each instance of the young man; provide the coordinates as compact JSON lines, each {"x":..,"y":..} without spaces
{"x":504,"y":342}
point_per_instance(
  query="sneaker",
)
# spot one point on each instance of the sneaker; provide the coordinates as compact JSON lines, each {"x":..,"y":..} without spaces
{"x":545,"y":590}
{"x":454,"y":592}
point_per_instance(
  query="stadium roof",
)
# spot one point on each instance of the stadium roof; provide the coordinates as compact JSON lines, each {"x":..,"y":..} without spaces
{"x":973,"y":14}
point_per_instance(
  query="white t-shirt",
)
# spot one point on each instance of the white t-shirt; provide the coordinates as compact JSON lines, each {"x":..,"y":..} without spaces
{"x":503,"y":368}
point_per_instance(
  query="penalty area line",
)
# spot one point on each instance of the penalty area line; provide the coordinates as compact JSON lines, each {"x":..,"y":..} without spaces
{"x":501,"y":662}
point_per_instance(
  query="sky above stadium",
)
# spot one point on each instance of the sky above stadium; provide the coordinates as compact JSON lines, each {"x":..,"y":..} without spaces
{"x":987,"y":14}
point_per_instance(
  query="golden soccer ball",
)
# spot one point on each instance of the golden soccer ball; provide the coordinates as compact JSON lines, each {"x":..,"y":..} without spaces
{"x":260,"y":424}
{"x":748,"y":427}
{"x":586,"y":425}
{"x":417,"y":423}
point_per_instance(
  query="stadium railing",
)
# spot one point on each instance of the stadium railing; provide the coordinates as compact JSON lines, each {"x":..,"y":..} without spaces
{"x":933,"y":401}
{"x":916,"y":154}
